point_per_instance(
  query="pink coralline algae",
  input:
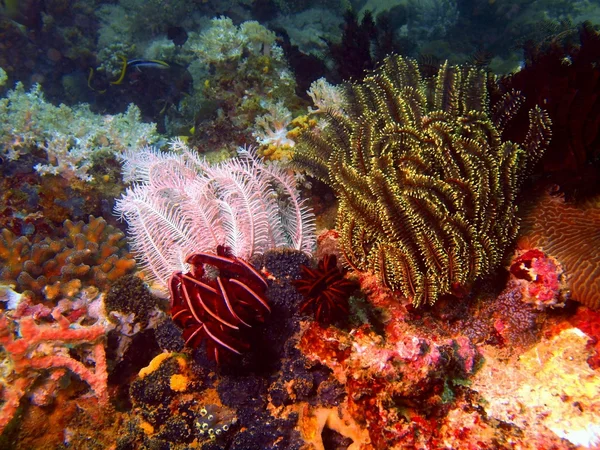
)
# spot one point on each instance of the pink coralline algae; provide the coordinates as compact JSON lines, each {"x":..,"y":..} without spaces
{"x":540,"y":277}
{"x":37,"y":342}
{"x":392,"y":386}
{"x":398,"y":382}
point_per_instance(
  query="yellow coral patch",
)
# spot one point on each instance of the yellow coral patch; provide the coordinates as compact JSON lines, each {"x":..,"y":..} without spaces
{"x":51,"y":291}
{"x":314,"y":420}
{"x":182,"y":363}
{"x":274,"y":152}
{"x":179,"y":382}
{"x":147,"y":428}
{"x":154,"y":364}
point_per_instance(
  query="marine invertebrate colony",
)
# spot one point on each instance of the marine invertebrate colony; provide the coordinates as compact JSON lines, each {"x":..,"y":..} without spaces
{"x":212,"y":306}
{"x":33,"y":351}
{"x":325,"y":289}
{"x":571,"y":234}
{"x":426,"y":186}
{"x":172,"y":414}
{"x":90,"y":253}
{"x":180,"y":204}
{"x":71,"y":137}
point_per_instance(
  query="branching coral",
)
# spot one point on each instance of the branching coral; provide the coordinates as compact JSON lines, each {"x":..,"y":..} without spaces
{"x":426,"y":186}
{"x":31,"y":349}
{"x":90,"y":253}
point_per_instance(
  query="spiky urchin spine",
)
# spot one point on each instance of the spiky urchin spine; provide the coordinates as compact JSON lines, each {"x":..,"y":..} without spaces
{"x":426,"y":187}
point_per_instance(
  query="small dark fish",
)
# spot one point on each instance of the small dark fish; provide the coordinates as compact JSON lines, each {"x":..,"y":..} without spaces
{"x":139,"y":63}
{"x":177,"y":34}
{"x":152,"y":63}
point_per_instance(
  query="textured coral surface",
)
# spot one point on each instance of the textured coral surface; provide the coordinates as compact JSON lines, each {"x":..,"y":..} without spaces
{"x":92,"y":253}
{"x":549,"y":391}
{"x":571,"y":234}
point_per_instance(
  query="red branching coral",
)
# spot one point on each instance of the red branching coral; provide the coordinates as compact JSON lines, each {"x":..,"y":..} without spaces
{"x":325,"y":290}
{"x":218,"y":295}
{"x":92,"y":253}
{"x":33,"y":350}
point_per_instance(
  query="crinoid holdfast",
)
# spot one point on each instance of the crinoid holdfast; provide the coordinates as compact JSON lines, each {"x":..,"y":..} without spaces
{"x":426,"y":186}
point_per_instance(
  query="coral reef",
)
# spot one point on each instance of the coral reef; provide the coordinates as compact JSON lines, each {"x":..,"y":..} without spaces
{"x":132,"y":310}
{"x":404,"y":373}
{"x":271,"y":128}
{"x":269,"y":342}
{"x":588,"y":321}
{"x":181,"y":204}
{"x":170,"y":410}
{"x":246,"y":68}
{"x":426,"y":187}
{"x":41,"y":341}
{"x":71,"y":137}
{"x":212,"y":307}
{"x":79,"y":255}
{"x":130,"y":295}
{"x":569,"y":233}
{"x":541,"y":277}
{"x":550,"y":392}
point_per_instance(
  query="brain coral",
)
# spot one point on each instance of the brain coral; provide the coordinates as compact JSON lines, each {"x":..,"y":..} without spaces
{"x":572,"y":235}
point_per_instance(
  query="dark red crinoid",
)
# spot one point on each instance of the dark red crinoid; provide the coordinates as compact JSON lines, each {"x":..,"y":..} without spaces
{"x":325,"y":290}
{"x":220,"y":294}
